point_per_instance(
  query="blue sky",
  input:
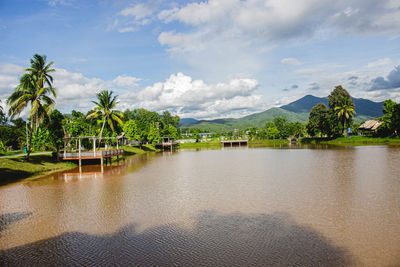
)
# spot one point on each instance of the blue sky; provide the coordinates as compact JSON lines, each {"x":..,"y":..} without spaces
{"x":204,"y":59}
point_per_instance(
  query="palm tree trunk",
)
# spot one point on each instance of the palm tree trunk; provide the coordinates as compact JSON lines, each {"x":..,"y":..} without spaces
{"x":101,"y":131}
{"x":29,"y":145}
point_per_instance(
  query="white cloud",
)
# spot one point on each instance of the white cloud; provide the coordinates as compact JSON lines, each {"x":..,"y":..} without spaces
{"x":134,"y":16}
{"x":228,"y":28}
{"x":291,"y":61}
{"x":126,"y":81}
{"x":179,"y":93}
{"x":9,"y":78}
{"x":186,"y":97}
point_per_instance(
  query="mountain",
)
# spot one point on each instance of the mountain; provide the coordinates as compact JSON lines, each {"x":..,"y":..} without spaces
{"x":187,"y":120}
{"x":363,"y":107}
{"x":295,"y":111}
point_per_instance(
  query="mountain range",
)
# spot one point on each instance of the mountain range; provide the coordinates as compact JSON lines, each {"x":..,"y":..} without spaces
{"x":294,"y":111}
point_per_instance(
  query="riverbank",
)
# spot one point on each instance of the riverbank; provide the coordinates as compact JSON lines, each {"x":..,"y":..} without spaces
{"x":351,"y":141}
{"x":217,"y":144}
{"x":13,"y":169}
{"x":17,"y":168}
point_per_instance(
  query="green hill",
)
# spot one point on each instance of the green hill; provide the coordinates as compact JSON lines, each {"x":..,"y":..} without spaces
{"x":295,"y":111}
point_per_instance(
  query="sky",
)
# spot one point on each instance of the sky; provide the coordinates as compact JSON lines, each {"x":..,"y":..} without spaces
{"x":204,"y":59}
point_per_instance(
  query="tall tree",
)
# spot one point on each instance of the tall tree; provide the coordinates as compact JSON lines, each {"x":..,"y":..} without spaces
{"x":318,"y":120}
{"x":35,"y":89}
{"x":345,"y":112}
{"x":105,"y":109}
{"x":338,"y":97}
{"x":391,"y":118}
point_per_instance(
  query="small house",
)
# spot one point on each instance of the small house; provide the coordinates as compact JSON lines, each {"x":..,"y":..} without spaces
{"x":370,"y":126}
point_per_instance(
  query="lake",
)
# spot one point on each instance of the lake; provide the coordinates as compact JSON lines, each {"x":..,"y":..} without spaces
{"x":284,"y":206}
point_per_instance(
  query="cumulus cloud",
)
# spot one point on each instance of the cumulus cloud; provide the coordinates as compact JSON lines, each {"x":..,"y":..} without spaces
{"x":282,"y":20}
{"x":9,"y":78}
{"x":291,"y":61}
{"x":392,"y":81}
{"x":186,"y":97}
{"x":358,"y":82}
{"x":179,"y":93}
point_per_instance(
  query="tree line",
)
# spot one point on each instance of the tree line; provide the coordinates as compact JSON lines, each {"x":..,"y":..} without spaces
{"x":45,"y":126}
{"x":338,"y":118}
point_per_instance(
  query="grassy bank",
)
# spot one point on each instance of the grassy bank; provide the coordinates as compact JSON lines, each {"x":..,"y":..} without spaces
{"x":352,"y":141}
{"x":16,"y":168}
{"x":217,"y":144}
{"x":212,"y":144}
{"x":267,"y":142}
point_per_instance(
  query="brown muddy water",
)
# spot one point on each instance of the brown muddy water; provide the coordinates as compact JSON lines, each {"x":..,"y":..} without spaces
{"x":248,"y":206}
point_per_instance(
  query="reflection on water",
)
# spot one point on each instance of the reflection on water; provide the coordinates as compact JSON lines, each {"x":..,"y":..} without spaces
{"x":294,"y":205}
{"x":215,"y":239}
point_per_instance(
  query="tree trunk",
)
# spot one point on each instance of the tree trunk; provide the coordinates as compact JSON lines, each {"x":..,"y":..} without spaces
{"x":29,"y":145}
{"x":101,"y":131}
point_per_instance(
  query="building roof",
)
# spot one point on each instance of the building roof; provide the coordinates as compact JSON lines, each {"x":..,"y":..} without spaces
{"x":370,"y":125}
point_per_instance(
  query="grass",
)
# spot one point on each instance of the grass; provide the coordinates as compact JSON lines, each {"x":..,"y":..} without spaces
{"x":352,"y":141}
{"x":16,"y":168}
{"x":267,"y":142}
{"x":10,"y":153}
{"x":212,"y":144}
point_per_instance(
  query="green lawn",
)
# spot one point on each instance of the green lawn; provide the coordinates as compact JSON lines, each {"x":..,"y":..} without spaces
{"x":353,"y":141}
{"x":212,"y":144}
{"x":18,"y":168}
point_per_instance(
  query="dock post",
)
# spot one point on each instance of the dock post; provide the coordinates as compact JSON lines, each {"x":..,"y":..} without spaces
{"x":102,"y":167}
{"x":80,"y":165}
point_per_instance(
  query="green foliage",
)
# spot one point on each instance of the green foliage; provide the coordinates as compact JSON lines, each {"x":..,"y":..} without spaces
{"x":341,"y":110}
{"x":40,"y":139}
{"x":34,"y":89}
{"x":282,"y":124}
{"x":391,"y":118}
{"x":144,"y":119}
{"x":167,"y":119}
{"x":130,"y":130}
{"x":297,"y":129}
{"x":76,"y":124}
{"x":14,"y":135}
{"x":105,"y":109}
{"x":2,"y":147}
{"x":318,"y":120}
{"x":154,"y":134}
{"x":55,"y":130}
{"x":170,"y":131}
{"x":272,"y":131}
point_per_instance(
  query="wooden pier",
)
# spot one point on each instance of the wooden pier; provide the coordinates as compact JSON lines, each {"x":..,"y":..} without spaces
{"x":231,"y":143}
{"x":167,"y":143}
{"x":80,"y":154}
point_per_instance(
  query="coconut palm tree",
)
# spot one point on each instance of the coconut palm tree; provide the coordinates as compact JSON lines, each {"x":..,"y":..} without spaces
{"x":105,"y":109}
{"x":35,"y":89}
{"x":2,"y":116}
{"x":345,"y":111}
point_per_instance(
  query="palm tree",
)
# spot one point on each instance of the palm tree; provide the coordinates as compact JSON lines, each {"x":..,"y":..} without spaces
{"x":105,"y":109}
{"x":345,"y":111}
{"x":34,"y":89}
{"x":2,"y":116}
